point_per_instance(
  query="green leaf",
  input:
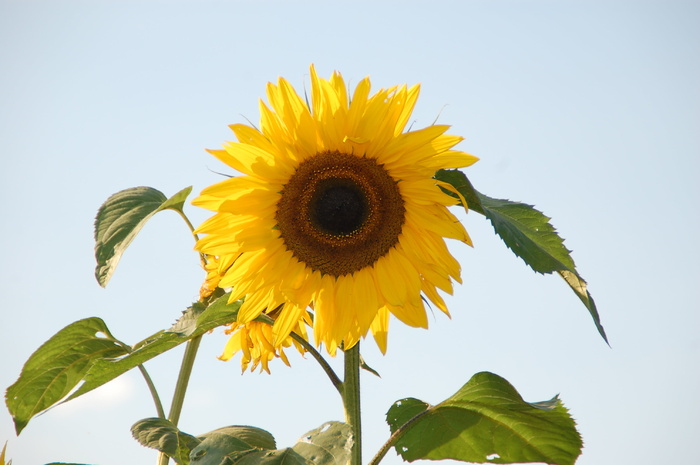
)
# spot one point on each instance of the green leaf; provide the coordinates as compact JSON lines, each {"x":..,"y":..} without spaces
{"x":528,"y":233}
{"x":121,"y":217}
{"x":486,"y":421}
{"x":219,"y":313}
{"x":56,"y":367}
{"x":328,"y":444}
{"x":162,"y":435}
{"x":187,"y":323}
{"x":230,"y":441}
{"x":578,"y":285}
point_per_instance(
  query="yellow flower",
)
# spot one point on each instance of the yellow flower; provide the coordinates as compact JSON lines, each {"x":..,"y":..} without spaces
{"x":255,"y":340}
{"x":337,"y":210}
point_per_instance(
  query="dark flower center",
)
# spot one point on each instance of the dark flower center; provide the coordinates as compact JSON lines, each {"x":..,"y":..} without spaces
{"x":339,"y":206}
{"x":339,"y":213}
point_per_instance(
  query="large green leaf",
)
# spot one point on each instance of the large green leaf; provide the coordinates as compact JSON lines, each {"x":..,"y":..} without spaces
{"x":86,"y":351}
{"x":329,"y":444}
{"x":207,"y":449}
{"x":56,"y":367}
{"x":529,"y":234}
{"x":219,"y":313}
{"x":162,"y":435}
{"x":486,"y":421}
{"x":121,"y":217}
{"x":218,"y":446}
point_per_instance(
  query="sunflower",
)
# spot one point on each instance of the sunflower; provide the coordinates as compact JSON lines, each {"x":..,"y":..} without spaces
{"x":255,"y":340}
{"x":336,"y":210}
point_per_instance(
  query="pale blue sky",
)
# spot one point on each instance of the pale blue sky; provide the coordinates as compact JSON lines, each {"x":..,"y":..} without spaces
{"x":589,"y":110}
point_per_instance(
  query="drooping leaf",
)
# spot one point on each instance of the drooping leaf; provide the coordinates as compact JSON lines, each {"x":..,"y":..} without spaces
{"x":578,"y":285}
{"x":121,"y":217}
{"x":230,"y":441}
{"x":330,"y":444}
{"x":56,"y":367}
{"x":528,"y":233}
{"x":219,"y":313}
{"x":486,"y":421}
{"x":162,"y":435}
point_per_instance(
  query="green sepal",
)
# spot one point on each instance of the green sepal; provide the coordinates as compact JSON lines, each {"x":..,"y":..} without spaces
{"x":2,"y":456}
{"x":162,"y":435}
{"x":486,"y":421}
{"x":528,"y":233}
{"x":218,"y":313}
{"x":121,"y":217}
{"x":56,"y":367}
{"x":364,"y":366}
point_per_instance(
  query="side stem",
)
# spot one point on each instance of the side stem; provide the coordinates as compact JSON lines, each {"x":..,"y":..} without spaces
{"x":351,"y":400}
{"x":154,"y":392}
{"x":395,"y":437}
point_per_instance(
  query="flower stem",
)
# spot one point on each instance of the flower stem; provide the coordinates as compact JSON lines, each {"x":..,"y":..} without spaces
{"x":351,"y":400}
{"x":183,"y":380}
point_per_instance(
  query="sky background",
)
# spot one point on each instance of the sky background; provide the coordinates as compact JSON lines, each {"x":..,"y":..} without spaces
{"x":589,"y":110}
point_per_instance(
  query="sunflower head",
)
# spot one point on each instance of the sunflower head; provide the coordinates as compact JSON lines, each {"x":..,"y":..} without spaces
{"x":336,"y":210}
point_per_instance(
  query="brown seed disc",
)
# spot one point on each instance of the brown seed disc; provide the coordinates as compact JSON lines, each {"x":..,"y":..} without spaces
{"x":339,"y":213}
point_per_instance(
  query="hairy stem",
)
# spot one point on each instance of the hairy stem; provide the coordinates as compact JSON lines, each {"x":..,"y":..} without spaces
{"x":351,"y":400}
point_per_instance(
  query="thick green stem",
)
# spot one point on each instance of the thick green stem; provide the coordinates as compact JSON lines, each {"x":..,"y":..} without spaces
{"x":351,"y":401}
{"x":183,"y":380}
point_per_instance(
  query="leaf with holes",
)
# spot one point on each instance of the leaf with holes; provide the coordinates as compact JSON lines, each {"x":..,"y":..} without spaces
{"x":328,"y":444}
{"x":57,"y":367}
{"x":528,"y":233}
{"x":121,"y":217}
{"x":486,"y":421}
